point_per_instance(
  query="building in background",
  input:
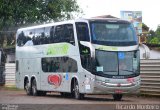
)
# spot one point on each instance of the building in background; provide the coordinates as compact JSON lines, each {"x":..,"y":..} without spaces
{"x":135,"y":17}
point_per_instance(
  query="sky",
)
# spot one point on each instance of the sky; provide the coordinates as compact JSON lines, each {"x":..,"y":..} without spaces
{"x":150,"y":9}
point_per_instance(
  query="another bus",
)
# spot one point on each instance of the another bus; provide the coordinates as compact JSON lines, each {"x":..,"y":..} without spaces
{"x":78,"y":57}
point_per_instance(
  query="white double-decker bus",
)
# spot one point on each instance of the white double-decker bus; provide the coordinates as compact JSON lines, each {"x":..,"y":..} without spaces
{"x":78,"y":57}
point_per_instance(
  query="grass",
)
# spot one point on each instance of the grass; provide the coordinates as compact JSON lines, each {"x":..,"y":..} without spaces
{"x":12,"y":88}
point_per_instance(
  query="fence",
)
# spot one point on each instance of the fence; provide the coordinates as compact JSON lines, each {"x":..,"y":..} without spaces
{"x":10,"y":74}
{"x":150,"y":76}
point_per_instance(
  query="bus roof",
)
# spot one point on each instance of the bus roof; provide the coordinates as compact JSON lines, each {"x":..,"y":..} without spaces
{"x":76,"y":20}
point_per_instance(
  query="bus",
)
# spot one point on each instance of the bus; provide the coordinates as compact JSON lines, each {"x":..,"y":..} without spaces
{"x":78,"y":57}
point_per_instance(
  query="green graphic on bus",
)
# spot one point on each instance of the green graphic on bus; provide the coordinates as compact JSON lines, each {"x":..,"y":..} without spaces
{"x":58,"y":49}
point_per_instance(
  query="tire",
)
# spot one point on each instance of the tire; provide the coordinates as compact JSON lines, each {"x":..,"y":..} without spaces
{"x":76,"y":93}
{"x":34,"y":88}
{"x":117,"y":97}
{"x":27,"y":88}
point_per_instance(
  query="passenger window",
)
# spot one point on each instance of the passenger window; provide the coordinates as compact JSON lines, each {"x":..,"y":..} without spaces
{"x":82,"y":31}
{"x":25,"y":38}
{"x":29,"y":34}
{"x":59,"y":33}
{"x":39,"y":36}
{"x":69,"y":34}
{"x":59,"y":64}
{"x":51,"y":39}
{"x":21,"y":39}
{"x":64,"y":33}
{"x":47,"y":35}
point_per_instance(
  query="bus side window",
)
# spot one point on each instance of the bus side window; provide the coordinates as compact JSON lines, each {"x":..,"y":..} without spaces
{"x":20,"y":39}
{"x":85,"y":53}
{"x":64,"y":33}
{"x":39,"y":36}
{"x":29,"y":35}
{"x":51,"y":35}
{"x":47,"y":35}
{"x":69,"y":34}
{"x":59,"y":33}
{"x":59,"y":64}
{"x":82,"y":31}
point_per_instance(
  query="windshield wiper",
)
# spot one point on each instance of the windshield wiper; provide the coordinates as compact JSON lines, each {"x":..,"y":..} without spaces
{"x":126,"y":70}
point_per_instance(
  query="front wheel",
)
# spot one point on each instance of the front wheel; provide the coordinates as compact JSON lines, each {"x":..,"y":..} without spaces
{"x":117,"y":97}
{"x":76,"y":93}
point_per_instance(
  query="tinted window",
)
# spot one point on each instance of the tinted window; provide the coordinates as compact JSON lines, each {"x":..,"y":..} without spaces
{"x":64,"y":33}
{"x":46,"y":35}
{"x":117,"y":63}
{"x":25,"y":38}
{"x":113,"y":33}
{"x":82,"y":31}
{"x":39,"y":36}
{"x":21,"y":39}
{"x":51,"y":34}
{"x":59,"y":64}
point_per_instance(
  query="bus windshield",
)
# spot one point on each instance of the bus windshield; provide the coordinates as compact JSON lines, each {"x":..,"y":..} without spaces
{"x":117,"y":63}
{"x":117,"y":33}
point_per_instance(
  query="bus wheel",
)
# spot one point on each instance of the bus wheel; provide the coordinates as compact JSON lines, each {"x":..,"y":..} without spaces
{"x":34,"y":88}
{"x":117,"y":97}
{"x":27,"y":88}
{"x":77,"y":95}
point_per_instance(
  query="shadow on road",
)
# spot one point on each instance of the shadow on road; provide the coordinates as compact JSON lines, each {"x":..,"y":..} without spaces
{"x":88,"y":97}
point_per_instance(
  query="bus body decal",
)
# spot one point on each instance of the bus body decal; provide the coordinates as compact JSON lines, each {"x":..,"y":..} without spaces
{"x":55,"y":80}
{"x":109,"y":48}
{"x":58,"y":49}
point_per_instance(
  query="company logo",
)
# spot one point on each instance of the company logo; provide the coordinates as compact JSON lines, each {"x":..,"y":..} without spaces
{"x":55,"y":80}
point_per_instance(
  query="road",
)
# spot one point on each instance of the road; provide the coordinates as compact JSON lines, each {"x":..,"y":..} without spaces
{"x":12,"y":98}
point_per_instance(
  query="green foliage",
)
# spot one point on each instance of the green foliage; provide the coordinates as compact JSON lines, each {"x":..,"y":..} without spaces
{"x":1,"y":39}
{"x":20,"y":12}
{"x":155,"y":40}
{"x":16,"y":13}
{"x":145,"y":27}
{"x":154,"y":37}
{"x":150,"y":36}
{"x":158,"y":32}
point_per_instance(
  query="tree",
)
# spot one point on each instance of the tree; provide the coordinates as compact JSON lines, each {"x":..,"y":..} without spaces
{"x":151,"y":35}
{"x":154,"y":37}
{"x":21,"y":12}
{"x":155,"y":40}
{"x":158,"y":32}
{"x":1,"y":39}
{"x":145,"y":27}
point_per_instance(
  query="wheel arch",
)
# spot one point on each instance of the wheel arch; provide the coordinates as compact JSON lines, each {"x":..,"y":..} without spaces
{"x":74,"y":78}
{"x":32,"y":78}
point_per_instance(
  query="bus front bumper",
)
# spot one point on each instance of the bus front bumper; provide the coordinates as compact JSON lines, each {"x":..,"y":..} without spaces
{"x":110,"y":88}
